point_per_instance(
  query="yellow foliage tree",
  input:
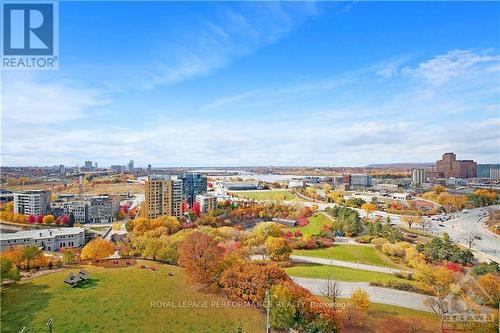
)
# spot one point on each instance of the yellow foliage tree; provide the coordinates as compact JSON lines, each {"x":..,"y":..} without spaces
{"x":96,"y":249}
{"x":368,"y":207}
{"x":48,"y":219}
{"x":278,"y":249}
{"x":360,"y":299}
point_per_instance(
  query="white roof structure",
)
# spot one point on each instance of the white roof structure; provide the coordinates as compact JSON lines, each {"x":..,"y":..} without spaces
{"x":43,"y":233}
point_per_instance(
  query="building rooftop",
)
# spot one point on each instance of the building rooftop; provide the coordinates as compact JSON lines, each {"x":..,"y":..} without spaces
{"x":43,"y":233}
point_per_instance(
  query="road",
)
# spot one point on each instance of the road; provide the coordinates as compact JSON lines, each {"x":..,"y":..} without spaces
{"x":472,"y":222}
{"x":377,"y":294}
{"x":348,"y":264}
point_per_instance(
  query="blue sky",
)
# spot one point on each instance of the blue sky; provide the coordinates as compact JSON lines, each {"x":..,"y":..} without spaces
{"x":261,"y":83}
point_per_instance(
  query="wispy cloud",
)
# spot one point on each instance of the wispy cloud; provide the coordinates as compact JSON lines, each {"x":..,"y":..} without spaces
{"x":26,"y":99}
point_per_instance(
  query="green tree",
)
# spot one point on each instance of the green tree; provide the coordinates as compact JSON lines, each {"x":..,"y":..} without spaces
{"x":29,"y":253}
{"x":282,"y":310}
{"x":71,"y":219}
{"x":8,"y":271}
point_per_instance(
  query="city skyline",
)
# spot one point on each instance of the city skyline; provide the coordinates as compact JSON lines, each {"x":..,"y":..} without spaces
{"x":246,"y":84}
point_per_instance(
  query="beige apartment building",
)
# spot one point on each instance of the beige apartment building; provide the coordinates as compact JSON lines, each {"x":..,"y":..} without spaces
{"x":163,"y":196}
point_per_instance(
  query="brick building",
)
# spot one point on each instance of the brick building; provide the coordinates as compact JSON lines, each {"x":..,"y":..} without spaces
{"x":449,"y":166}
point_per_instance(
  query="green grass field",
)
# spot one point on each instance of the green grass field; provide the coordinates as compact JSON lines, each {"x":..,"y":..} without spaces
{"x":353,"y":253}
{"x":316,"y":221}
{"x":119,"y":300}
{"x":378,"y":312}
{"x":280,"y":195}
{"x":317,"y":271}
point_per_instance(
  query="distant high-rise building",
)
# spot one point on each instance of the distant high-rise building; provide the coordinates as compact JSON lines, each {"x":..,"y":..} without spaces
{"x":118,"y":168}
{"x":418,"y":177}
{"x":62,"y":169}
{"x":449,"y":166}
{"x":361,"y":180}
{"x":163,"y":196}
{"x":485,"y":170}
{"x":149,"y":167}
{"x":130,"y":165}
{"x":88,"y":165}
{"x":95,"y":165}
{"x":193,"y":184}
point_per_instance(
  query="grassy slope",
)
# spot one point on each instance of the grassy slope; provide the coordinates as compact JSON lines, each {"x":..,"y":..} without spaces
{"x":314,"y":227}
{"x":317,"y":271}
{"x":279,"y":195}
{"x":353,"y":253}
{"x":119,"y":300}
{"x":378,"y":312}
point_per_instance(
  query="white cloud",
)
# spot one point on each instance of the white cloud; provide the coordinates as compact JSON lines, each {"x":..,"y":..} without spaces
{"x":27,"y":100}
{"x":455,"y":64}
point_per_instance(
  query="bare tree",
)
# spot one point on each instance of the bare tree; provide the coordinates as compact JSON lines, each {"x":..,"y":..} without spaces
{"x":471,"y":237}
{"x":331,"y":290}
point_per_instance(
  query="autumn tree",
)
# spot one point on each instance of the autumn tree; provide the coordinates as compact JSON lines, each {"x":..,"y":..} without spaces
{"x":277,"y":249}
{"x":491,"y":285}
{"x":29,"y":253}
{"x":249,"y":281}
{"x":331,"y":290}
{"x":360,"y":299}
{"x":97,"y":249}
{"x":470,"y":237}
{"x":48,"y":219}
{"x":68,"y":256}
{"x":200,"y":256}
{"x":14,"y":254}
{"x":369,"y":208}
{"x":327,"y":188}
{"x":411,"y":220}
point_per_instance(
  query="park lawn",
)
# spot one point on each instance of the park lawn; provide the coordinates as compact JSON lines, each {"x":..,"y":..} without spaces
{"x":368,"y":255}
{"x":317,"y":271}
{"x":119,"y":300}
{"x":280,"y":195}
{"x":378,"y":312}
{"x":316,"y":222}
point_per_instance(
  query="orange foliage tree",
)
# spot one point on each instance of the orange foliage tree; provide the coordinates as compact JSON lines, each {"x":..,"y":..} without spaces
{"x":96,"y":249}
{"x":200,"y":257}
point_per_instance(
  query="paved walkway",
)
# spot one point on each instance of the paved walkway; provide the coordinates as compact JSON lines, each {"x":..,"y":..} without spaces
{"x":348,"y":264}
{"x":377,"y":294}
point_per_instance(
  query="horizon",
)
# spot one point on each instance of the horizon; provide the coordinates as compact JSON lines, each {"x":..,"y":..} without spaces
{"x":217,"y":84}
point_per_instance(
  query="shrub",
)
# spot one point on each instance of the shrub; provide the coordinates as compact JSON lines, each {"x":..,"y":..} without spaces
{"x":302,"y":222}
{"x":364,"y":239}
{"x":394,"y":250}
{"x":378,"y":242}
{"x":454,"y":267}
{"x":405,"y":286}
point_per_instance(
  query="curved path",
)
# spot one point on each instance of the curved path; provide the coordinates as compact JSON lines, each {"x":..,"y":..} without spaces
{"x":377,"y":294}
{"x":348,"y":264}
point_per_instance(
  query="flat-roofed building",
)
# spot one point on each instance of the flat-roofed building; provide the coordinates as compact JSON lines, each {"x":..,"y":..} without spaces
{"x":46,"y":239}
{"x":32,"y":202}
{"x":449,"y":166}
{"x":192,"y":185}
{"x":163,"y":196}
{"x":418,"y":177}
{"x":207,"y":202}
{"x":360,"y":180}
{"x":103,"y":208}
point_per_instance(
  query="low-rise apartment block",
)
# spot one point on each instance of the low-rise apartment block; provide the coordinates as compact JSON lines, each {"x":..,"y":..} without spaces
{"x":46,"y":239}
{"x":32,"y":202}
{"x":207,"y":202}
